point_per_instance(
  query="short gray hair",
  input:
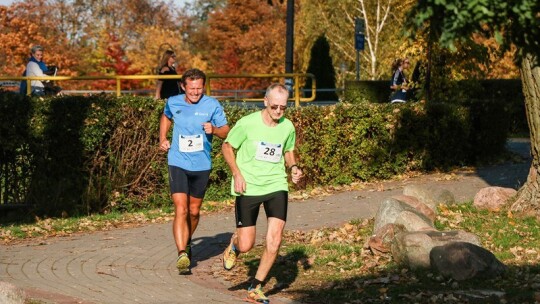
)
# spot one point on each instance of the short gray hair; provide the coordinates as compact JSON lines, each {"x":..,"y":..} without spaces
{"x":279,"y":87}
{"x":36,"y":48}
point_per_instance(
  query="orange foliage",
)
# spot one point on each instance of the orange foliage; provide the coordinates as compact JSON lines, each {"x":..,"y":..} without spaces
{"x":247,"y":36}
{"x":24,"y":25}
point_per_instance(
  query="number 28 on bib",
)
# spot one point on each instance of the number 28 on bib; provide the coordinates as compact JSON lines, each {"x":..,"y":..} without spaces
{"x":269,"y":152}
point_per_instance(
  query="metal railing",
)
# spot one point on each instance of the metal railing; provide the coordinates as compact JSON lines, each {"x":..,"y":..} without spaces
{"x":296,"y":96}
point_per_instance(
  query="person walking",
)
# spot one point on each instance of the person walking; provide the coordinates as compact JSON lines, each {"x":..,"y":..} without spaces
{"x":399,"y":84}
{"x":166,"y":88}
{"x":197,"y":118}
{"x":264,"y":142}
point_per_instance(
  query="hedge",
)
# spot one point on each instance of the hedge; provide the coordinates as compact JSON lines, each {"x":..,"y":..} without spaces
{"x":81,"y":155}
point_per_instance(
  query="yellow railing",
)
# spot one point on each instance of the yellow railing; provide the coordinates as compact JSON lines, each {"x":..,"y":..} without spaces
{"x":118,"y":78}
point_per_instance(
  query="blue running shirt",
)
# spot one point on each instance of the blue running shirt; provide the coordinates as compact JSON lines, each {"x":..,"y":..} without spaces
{"x":190,"y":146}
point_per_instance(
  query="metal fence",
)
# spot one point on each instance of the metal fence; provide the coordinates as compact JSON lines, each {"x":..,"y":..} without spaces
{"x":296,"y":96}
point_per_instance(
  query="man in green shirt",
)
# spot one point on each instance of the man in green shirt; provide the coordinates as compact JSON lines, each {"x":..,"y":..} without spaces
{"x":264,"y":143}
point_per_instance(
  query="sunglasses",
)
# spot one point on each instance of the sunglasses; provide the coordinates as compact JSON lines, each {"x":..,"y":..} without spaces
{"x":275,"y":107}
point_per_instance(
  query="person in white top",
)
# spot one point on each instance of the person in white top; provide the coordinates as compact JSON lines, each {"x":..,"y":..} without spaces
{"x":36,"y":67}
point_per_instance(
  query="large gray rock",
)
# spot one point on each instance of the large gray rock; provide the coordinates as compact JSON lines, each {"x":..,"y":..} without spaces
{"x":9,"y":294}
{"x":418,"y":205}
{"x":462,"y":261}
{"x":493,"y":198}
{"x":413,"y":248}
{"x":430,"y":196}
{"x":390,"y":209}
{"x":380,"y":242}
{"x":413,"y":221}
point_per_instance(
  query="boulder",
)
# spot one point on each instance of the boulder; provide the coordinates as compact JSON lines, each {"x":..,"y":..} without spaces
{"x":493,"y":198}
{"x":381,"y":242}
{"x":413,"y":221}
{"x":413,"y":248}
{"x":431,"y":196}
{"x":390,"y":209}
{"x":462,"y":261}
{"x":418,"y":205}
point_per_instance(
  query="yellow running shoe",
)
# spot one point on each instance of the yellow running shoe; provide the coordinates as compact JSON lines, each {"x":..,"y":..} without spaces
{"x":229,"y":256}
{"x":256,"y":295}
{"x":183,"y":263}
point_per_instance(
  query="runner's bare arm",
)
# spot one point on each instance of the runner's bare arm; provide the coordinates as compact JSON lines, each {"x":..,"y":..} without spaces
{"x":230,"y":158}
{"x":164,"y":126}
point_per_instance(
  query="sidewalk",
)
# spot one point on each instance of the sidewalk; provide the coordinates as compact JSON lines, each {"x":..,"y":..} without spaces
{"x":138,"y":265}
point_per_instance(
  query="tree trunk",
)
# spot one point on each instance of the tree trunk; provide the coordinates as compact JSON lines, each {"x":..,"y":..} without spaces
{"x":528,"y":197}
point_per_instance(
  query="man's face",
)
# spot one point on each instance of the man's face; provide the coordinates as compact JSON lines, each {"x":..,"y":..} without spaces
{"x":276,"y":103}
{"x":38,"y":55}
{"x":194,"y":90}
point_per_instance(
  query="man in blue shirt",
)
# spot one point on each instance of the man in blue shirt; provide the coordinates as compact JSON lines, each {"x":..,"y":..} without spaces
{"x":196,"y":119}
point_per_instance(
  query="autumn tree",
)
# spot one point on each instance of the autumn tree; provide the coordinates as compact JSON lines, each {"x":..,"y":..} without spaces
{"x":246,"y":37}
{"x":511,"y":23}
{"x":24,"y":24}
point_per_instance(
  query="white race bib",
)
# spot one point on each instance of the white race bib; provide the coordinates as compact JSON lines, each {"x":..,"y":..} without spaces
{"x":269,"y":152}
{"x":191,"y":143}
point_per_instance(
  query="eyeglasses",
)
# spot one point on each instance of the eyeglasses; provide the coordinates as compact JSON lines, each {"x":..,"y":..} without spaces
{"x":275,"y":107}
{"x":173,"y":56}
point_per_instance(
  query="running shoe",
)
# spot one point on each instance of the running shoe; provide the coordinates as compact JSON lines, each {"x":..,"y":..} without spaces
{"x":229,"y":256}
{"x":256,"y":295}
{"x":183,"y":263}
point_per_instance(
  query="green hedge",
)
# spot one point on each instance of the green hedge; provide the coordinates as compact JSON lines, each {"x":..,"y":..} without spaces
{"x":93,"y":154}
{"x":377,"y":91}
{"x":506,"y":91}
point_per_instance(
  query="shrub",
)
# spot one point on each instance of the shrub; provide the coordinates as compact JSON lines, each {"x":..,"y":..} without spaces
{"x":83,"y":155}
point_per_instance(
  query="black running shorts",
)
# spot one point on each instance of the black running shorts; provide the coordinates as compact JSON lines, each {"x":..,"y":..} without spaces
{"x":247,"y":207}
{"x":193,"y":183}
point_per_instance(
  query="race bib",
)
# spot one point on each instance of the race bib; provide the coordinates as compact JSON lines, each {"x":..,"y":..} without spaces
{"x":191,"y":143}
{"x":269,"y":152}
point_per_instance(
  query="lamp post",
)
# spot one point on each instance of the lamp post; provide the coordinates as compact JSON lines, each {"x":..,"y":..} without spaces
{"x":289,"y":44}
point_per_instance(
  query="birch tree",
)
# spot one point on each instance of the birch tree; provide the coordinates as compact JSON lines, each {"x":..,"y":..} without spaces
{"x":336,"y":19}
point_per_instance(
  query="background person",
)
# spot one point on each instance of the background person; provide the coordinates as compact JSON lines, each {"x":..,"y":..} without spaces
{"x":197,"y":118}
{"x":166,"y":88}
{"x":36,"y":67}
{"x":264,"y":142}
{"x":399,"y":84}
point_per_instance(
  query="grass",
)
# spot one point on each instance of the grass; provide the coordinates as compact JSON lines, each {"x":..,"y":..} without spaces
{"x":331,"y":265}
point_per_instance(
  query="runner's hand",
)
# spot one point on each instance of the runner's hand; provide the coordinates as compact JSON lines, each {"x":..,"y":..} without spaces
{"x":296,"y":174}
{"x":208,"y":128}
{"x":239,"y":184}
{"x":164,"y":145}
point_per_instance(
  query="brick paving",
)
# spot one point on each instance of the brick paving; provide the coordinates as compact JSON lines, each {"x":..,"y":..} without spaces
{"x":137,"y":265}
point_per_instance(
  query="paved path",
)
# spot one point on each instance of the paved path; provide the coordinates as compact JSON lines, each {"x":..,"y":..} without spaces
{"x":137,"y":265}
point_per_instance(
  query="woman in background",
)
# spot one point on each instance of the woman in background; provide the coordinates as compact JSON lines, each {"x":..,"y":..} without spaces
{"x":399,"y":85}
{"x":36,"y":67}
{"x":167,"y":87}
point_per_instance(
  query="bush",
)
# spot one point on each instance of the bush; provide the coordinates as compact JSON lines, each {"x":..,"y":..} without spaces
{"x":367,"y":91}
{"x":83,"y":155}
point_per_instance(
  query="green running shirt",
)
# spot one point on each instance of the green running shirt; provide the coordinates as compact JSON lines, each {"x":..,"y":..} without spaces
{"x":260,"y":153}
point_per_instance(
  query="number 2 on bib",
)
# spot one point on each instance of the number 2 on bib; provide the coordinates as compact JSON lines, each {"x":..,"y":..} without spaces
{"x":191,"y":143}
